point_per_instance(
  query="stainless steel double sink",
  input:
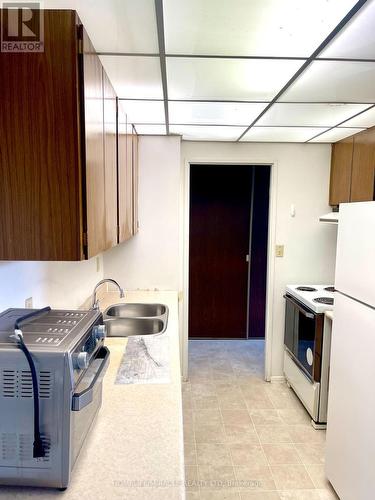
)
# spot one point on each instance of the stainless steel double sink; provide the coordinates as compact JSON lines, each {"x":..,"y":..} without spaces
{"x":125,"y":320}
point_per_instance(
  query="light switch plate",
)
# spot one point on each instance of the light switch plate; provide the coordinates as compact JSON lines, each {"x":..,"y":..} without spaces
{"x":29,"y":303}
{"x":279,"y":250}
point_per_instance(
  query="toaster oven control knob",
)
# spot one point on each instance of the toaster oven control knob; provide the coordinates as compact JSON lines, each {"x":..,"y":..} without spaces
{"x":81,"y":361}
{"x":100,"y":332}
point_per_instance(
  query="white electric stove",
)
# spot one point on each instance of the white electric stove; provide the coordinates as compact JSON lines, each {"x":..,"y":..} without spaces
{"x":307,"y":341}
{"x":319,"y":298}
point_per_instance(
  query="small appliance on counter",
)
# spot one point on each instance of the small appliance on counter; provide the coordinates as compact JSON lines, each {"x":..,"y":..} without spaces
{"x":52,"y":364}
{"x":307,"y":341}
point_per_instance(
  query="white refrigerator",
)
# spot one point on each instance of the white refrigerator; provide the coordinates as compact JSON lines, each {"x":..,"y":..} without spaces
{"x":350,"y":448}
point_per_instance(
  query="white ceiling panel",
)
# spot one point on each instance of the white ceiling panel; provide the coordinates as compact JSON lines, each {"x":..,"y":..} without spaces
{"x":281,"y":134}
{"x":224,"y":113}
{"x":134,"y":77}
{"x":357,"y":39}
{"x":250,"y":27}
{"x":150,"y":129}
{"x":366,"y":119}
{"x":310,"y":115}
{"x":336,"y":134}
{"x":334,"y":81}
{"x":144,"y":111}
{"x":206,"y":133}
{"x":190,"y":78}
{"x":115,"y":25}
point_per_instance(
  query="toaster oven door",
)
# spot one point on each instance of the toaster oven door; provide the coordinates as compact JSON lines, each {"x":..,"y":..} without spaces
{"x":86,"y":401}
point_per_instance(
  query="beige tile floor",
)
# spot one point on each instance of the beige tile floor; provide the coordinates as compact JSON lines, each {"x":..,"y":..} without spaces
{"x":246,"y":439}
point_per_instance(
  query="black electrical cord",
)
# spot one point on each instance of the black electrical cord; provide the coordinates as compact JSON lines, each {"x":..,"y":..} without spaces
{"x":38,"y":446}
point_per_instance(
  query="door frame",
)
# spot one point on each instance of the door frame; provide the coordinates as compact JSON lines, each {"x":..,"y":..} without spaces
{"x":185,"y":214}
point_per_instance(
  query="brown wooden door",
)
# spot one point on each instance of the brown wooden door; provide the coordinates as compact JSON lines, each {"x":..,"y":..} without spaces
{"x":220,"y":204}
{"x":125,"y":180}
{"x":94,"y":151}
{"x":362,"y":188}
{"x":110,"y":162}
{"x":341,"y":172}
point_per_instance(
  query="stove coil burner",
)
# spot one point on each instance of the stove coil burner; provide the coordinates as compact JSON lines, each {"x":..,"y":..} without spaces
{"x":329,"y":289}
{"x":306,"y":289}
{"x":324,"y":300}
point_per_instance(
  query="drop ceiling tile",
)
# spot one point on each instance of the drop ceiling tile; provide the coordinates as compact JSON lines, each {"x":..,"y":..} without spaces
{"x":217,"y":113}
{"x":207,"y":133}
{"x":134,"y":77}
{"x":151,"y":129}
{"x":281,"y":134}
{"x":336,"y":134}
{"x":226,"y":79}
{"x":250,"y":27}
{"x":334,"y":81}
{"x":309,"y":115}
{"x":366,"y":119}
{"x":357,"y":39}
{"x":115,"y":25}
{"x":144,"y":111}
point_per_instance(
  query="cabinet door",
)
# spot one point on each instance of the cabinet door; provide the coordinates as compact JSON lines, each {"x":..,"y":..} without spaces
{"x":363,"y":166}
{"x":341,"y":172}
{"x":110,"y":162}
{"x":135,"y":183}
{"x":94,"y":150}
{"x":125,"y":180}
{"x":40,"y":168}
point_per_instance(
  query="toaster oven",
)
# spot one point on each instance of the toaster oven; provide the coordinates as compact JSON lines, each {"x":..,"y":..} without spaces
{"x":42,"y":431}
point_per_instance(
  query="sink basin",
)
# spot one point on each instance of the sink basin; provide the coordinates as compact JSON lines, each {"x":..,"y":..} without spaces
{"x":136,"y":310}
{"x":126,"y":327}
{"x":125,"y":320}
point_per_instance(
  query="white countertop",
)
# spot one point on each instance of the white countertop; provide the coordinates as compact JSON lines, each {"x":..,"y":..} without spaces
{"x":136,"y":448}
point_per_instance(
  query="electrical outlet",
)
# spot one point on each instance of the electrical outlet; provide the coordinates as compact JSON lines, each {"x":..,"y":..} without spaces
{"x":279,"y":250}
{"x":29,"y":303}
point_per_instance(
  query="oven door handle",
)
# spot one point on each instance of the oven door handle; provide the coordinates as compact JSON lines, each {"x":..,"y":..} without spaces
{"x":299,"y":307}
{"x":81,"y":399}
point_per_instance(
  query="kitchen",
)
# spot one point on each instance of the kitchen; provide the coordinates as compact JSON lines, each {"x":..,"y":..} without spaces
{"x":174,"y":97}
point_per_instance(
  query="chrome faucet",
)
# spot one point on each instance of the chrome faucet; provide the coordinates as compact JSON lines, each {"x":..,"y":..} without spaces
{"x":95,"y":301}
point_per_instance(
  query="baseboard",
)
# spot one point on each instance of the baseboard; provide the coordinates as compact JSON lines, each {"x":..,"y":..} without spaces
{"x":277,"y":379}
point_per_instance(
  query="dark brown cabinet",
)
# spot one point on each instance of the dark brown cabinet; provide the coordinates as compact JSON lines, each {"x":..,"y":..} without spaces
{"x":353,"y":169}
{"x":58,"y":149}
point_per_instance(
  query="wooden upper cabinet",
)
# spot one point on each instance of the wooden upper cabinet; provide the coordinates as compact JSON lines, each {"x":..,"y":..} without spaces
{"x":125,"y":177}
{"x":341,"y":172}
{"x":110,"y":162}
{"x":135,"y":183}
{"x":40,"y":164}
{"x":58,"y":148}
{"x":94,"y":149}
{"x":353,"y":169}
{"x":363,"y":166}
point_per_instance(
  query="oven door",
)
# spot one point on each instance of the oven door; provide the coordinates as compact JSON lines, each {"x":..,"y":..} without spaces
{"x":87,"y":400}
{"x":300,"y":331}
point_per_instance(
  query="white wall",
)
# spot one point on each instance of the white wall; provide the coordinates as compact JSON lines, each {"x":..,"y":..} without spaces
{"x":303,"y":180}
{"x":151,"y":259}
{"x":58,"y":284}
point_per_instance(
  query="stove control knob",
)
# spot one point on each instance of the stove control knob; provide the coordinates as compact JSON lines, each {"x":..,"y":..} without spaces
{"x":99,"y":332}
{"x":81,"y":361}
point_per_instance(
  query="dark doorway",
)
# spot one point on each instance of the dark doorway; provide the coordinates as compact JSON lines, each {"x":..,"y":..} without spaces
{"x":228,"y":250}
